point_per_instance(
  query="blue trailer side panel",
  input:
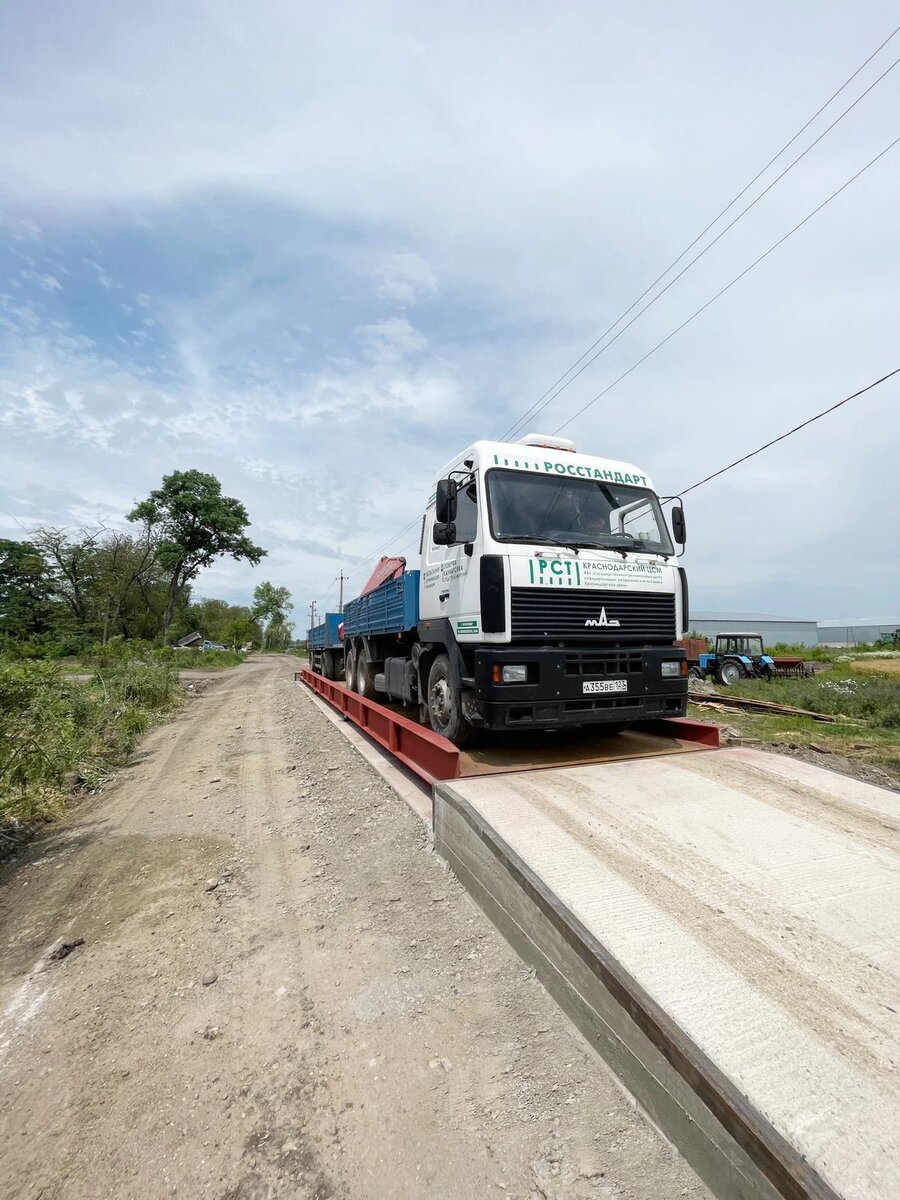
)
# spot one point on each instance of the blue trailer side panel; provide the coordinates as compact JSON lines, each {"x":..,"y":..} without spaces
{"x":391,"y":608}
{"x":325,"y":636}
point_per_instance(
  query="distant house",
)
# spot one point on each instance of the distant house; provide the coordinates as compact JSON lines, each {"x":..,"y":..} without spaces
{"x":192,"y":641}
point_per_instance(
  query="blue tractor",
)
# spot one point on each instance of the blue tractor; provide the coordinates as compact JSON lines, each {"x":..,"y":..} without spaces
{"x":736,"y":656}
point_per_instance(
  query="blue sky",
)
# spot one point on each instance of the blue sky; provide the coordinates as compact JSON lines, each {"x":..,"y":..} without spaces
{"x":316,"y":252}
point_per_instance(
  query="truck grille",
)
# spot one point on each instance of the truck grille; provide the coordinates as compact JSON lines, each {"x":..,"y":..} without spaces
{"x":589,"y":664}
{"x":539,"y":613}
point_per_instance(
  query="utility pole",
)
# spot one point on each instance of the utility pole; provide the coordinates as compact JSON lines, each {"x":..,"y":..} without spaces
{"x":312,"y":614}
{"x":341,"y":600}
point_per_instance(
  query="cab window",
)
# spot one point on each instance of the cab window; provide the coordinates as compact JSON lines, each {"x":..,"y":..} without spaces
{"x":467,"y":513}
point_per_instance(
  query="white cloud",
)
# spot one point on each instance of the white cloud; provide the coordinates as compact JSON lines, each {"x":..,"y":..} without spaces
{"x":391,"y":340}
{"x":405,"y":279}
{"x":49,"y":283}
{"x":493,"y":186}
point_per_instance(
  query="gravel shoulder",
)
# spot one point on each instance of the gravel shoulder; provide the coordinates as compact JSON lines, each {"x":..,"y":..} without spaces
{"x":282,"y":992}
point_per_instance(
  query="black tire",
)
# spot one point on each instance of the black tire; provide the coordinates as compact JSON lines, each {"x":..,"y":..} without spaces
{"x":350,"y":668}
{"x":766,"y":672}
{"x":328,"y":664}
{"x":695,"y":673}
{"x":445,"y":705}
{"x":365,"y":676}
{"x":730,"y":672}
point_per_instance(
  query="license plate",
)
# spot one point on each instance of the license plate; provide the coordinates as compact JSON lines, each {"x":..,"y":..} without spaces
{"x":592,"y":686}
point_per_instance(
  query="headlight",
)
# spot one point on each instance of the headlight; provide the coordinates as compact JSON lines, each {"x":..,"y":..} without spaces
{"x":515,"y":674}
{"x":671,"y":670}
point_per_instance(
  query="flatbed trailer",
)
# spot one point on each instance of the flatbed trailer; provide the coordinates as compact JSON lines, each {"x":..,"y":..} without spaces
{"x":721,"y":927}
{"x":326,"y":648}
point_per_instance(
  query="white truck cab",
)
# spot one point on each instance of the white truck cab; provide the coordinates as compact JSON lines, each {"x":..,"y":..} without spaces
{"x":549,"y":595}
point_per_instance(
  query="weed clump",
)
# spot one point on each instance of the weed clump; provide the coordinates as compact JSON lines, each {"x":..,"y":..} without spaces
{"x":58,"y":734}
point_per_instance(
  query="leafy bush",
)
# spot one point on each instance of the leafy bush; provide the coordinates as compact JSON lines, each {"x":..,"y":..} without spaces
{"x":118,"y":651}
{"x":56,"y":734}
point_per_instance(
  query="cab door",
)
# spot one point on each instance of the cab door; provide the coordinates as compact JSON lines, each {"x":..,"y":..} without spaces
{"x":450,"y":588}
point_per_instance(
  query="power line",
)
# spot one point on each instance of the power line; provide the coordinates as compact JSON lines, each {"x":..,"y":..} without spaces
{"x":327,"y":591}
{"x":824,"y":413}
{"x":539,"y":405}
{"x":728,"y":286}
{"x":723,"y":232}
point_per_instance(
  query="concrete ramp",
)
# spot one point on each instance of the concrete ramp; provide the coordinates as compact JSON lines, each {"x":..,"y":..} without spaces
{"x":725,"y":929}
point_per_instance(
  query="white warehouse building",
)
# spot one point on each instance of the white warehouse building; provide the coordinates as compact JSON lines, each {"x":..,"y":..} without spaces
{"x":789,"y":630}
{"x":854,"y":632}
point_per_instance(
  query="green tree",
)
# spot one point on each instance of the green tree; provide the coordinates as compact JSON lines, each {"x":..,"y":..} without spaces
{"x":240,"y":631}
{"x":193,"y":525}
{"x":270,"y":602}
{"x":278,"y":634}
{"x":217,"y":620}
{"x":125,"y":569}
{"x":271,"y":605}
{"x":26,"y":605}
{"x":71,"y":559}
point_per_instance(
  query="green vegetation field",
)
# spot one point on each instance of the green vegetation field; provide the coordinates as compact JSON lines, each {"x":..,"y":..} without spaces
{"x":866,"y":695}
{"x":58,"y":735}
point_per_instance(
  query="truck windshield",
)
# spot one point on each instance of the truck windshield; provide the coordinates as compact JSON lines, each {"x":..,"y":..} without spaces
{"x":565,"y":511}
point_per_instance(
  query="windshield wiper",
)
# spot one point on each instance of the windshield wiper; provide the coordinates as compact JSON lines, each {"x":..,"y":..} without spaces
{"x":621,"y":548}
{"x":526,"y":538}
{"x":575,"y":546}
{"x":542,"y":541}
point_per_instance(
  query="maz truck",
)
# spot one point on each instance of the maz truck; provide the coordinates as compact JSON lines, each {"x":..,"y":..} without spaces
{"x":548,"y":595}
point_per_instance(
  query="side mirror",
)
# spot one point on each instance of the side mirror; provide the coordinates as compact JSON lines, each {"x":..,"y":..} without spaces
{"x":678,"y":526}
{"x":444,"y":533}
{"x":445,"y":501}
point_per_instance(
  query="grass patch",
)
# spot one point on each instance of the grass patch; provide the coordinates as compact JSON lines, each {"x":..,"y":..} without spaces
{"x":870,"y":700}
{"x":840,"y":692}
{"x":57,"y":735}
{"x":876,"y":666}
{"x":873,"y":747}
{"x":118,"y":651}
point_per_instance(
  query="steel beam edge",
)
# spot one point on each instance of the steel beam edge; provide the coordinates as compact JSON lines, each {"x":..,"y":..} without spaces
{"x":425,"y":752}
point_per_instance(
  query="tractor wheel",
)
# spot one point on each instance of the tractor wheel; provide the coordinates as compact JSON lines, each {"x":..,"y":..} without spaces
{"x":695,"y":673}
{"x":729,"y":673}
{"x":328,"y":664}
{"x":445,"y":705}
{"x":766,"y":672}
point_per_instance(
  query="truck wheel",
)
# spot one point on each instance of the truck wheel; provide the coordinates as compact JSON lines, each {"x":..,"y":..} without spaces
{"x":365,"y":676}
{"x":445,"y":711}
{"x":350,"y":669}
{"x":328,"y":664}
{"x":729,"y":673}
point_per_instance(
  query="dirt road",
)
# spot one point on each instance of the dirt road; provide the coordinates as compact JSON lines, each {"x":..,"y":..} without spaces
{"x":283,"y":993}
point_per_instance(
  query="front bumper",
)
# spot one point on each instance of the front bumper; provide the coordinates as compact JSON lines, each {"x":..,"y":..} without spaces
{"x":554,"y":694}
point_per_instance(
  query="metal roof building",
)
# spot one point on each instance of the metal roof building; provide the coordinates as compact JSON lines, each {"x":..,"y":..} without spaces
{"x":789,"y":630}
{"x":853,"y":632}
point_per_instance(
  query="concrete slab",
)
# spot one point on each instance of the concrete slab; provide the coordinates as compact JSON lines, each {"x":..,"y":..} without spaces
{"x":725,"y":927}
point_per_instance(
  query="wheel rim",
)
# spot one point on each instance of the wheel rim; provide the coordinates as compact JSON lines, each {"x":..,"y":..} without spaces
{"x":361,"y":675}
{"x":439,"y":701}
{"x":730,"y":673}
{"x":348,"y":670}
